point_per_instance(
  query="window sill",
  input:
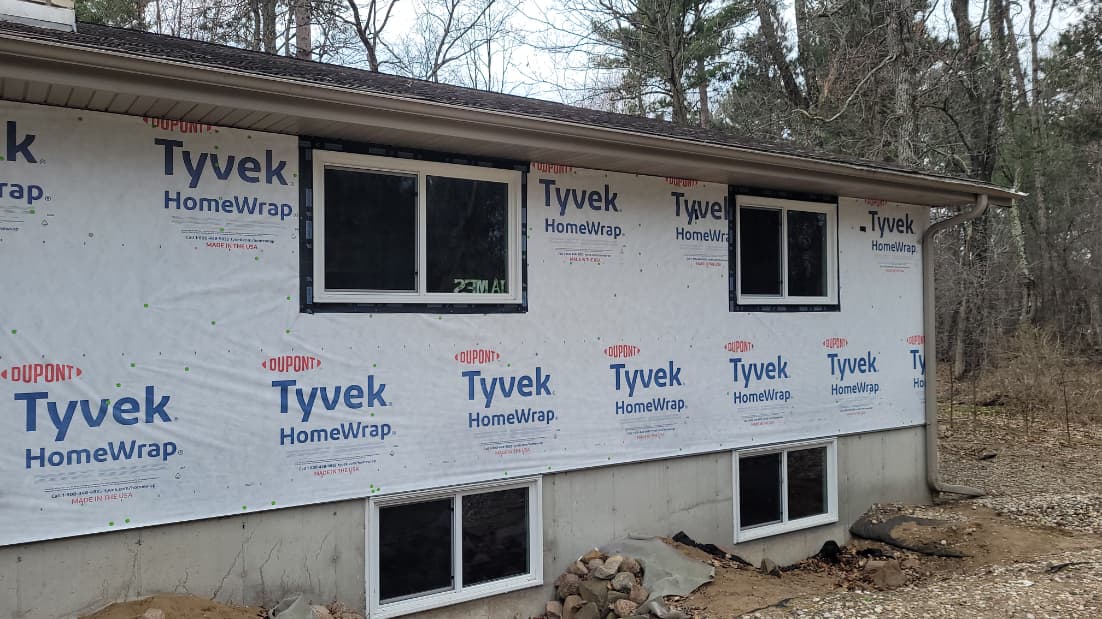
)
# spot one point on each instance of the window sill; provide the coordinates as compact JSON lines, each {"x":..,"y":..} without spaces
{"x":415,"y":308}
{"x":749,"y":306}
{"x":746,"y":535}
{"x":448,"y":598}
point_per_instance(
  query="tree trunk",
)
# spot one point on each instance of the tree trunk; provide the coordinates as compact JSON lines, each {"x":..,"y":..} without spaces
{"x":303,"y":43}
{"x":901,"y":41}
{"x":268,"y":30}
{"x":705,"y":110}
{"x":767,"y":17}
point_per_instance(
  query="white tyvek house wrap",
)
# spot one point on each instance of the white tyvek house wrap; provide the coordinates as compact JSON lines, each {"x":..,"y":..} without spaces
{"x":110,"y":295}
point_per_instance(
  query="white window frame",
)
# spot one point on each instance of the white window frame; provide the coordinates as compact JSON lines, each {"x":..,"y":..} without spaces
{"x":831,"y":258}
{"x":378,"y":610}
{"x":786,"y":525}
{"x":421,"y":169}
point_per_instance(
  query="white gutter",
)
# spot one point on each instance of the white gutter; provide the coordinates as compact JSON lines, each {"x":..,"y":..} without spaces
{"x":930,"y":347}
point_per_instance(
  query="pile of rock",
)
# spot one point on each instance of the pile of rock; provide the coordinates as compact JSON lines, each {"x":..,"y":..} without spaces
{"x":599,"y":586}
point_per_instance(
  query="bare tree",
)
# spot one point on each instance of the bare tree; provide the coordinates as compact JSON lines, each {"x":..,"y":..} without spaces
{"x":445,"y":33}
{"x":369,"y":20}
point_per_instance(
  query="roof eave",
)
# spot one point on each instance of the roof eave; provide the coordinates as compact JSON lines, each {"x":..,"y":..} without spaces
{"x":90,"y":67}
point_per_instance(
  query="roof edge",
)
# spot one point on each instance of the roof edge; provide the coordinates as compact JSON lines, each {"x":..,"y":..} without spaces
{"x":90,"y":57}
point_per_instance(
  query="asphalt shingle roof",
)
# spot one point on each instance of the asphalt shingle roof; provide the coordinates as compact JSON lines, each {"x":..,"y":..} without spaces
{"x":202,"y":54}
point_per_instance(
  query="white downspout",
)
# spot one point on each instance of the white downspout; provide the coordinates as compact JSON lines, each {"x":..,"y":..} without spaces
{"x":930,"y":346}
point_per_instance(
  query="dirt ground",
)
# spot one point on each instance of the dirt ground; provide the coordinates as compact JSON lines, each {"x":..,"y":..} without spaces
{"x":1033,"y":545}
{"x":176,"y":606}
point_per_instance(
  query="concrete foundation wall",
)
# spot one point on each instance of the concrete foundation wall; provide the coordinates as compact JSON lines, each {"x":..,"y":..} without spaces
{"x":261,"y":557}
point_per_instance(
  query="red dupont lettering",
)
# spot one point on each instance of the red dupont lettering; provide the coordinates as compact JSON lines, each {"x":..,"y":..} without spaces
{"x":40,"y":373}
{"x":622,"y":351}
{"x":835,"y":342}
{"x":682,"y":182}
{"x":739,"y":346}
{"x":291,"y":363}
{"x":476,"y":356}
{"x":915,"y":340}
{"x":178,"y":126}
{"x":552,"y":168}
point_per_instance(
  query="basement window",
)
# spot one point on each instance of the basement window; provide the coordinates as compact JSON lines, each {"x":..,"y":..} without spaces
{"x":785,"y":253}
{"x":403,"y":231}
{"x":437,"y":548}
{"x":785,"y":488}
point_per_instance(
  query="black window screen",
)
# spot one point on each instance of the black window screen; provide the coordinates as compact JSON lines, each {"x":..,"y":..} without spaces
{"x":370,"y":230}
{"x":759,"y":479}
{"x":807,"y":244}
{"x":467,"y":235}
{"x":760,"y":251}
{"x":807,"y":482}
{"x":415,"y":549}
{"x":495,"y":535}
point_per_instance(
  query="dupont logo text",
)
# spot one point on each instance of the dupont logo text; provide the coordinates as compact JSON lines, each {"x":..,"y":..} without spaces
{"x":739,"y":346}
{"x":291,"y":363}
{"x":916,"y":340}
{"x":621,"y":351}
{"x":477,"y":356}
{"x":835,"y":342}
{"x":33,"y":373}
{"x":552,"y":168}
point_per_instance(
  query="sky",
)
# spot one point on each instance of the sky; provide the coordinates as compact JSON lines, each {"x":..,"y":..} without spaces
{"x":541,"y":73}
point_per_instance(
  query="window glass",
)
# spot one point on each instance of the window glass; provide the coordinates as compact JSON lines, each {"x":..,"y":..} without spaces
{"x":759,"y":479}
{"x":495,"y":535}
{"x":807,"y":265}
{"x":807,"y":482}
{"x":467,"y":235}
{"x":760,"y":251}
{"x":415,"y":549}
{"x":370,"y":230}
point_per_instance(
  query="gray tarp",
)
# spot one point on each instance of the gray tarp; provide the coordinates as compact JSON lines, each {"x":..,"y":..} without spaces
{"x":666,"y":572}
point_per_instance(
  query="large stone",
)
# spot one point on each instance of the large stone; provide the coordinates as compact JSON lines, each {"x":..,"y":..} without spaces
{"x":553,"y":609}
{"x":593,"y":564}
{"x":588,"y":611}
{"x":570,"y":606}
{"x":616,"y":595}
{"x":595,"y":591}
{"x":578,"y":568}
{"x":591,"y":555}
{"x":624,"y":608}
{"x":885,"y":574}
{"x":769,"y":566}
{"x":609,"y":568}
{"x":638,"y":594}
{"x":623,"y":581}
{"x":603,"y":573}
{"x":613,"y":563}
{"x":568,"y":585}
{"x":631,"y":565}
